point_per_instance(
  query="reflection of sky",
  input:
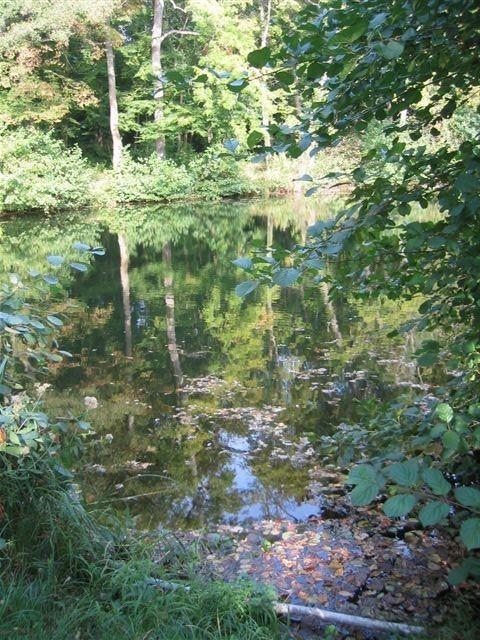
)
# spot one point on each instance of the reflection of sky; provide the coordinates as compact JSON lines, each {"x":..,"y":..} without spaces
{"x":272,"y":504}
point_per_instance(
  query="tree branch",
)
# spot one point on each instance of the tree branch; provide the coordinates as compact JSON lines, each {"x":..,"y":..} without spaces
{"x":184,"y":32}
{"x":176,"y":7}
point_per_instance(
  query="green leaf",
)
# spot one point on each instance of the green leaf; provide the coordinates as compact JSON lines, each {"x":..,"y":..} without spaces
{"x":246,"y":287}
{"x":286,"y":277}
{"x":391,"y":50}
{"x":470,"y":533}
{"x":468,"y":496}
{"x":259,"y":57}
{"x":237,"y":85}
{"x":362,"y":473}
{"x":433,"y":512}
{"x":349,"y":34}
{"x":79,"y":266}
{"x":285,"y":77}
{"x":243,"y":263}
{"x":457,"y":575}
{"x":255,"y":138}
{"x":364,"y":493}
{"x":81,"y":246}
{"x":451,"y":440}
{"x":435,"y":480}
{"x":405,"y":473}
{"x":378,"y":20}
{"x":400,"y":505}
{"x":469,"y":566}
{"x":231,"y":144}
{"x":54,"y":320}
{"x":444,"y":411}
{"x":314,"y":263}
{"x":37,"y":324}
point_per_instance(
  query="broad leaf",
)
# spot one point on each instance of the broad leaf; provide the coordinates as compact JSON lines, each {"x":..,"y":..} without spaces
{"x":231,"y":144}
{"x":362,"y":473}
{"x":243,"y":263}
{"x":79,"y":266}
{"x":259,"y":57}
{"x":364,"y":493}
{"x":444,"y":411}
{"x":400,"y":505}
{"x":246,"y":287}
{"x":405,"y":473}
{"x":433,"y":513}
{"x":470,"y":533}
{"x":391,"y":50}
{"x":286,"y":277}
{"x":254,"y":138}
{"x":54,"y":320}
{"x":435,"y":480}
{"x":468,"y":496}
{"x":81,"y":246}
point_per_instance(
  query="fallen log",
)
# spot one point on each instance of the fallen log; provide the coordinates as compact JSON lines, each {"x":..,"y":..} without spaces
{"x":315,"y":615}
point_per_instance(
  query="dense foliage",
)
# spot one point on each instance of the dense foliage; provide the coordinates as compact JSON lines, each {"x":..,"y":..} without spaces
{"x":410,"y":70}
{"x":39,"y":172}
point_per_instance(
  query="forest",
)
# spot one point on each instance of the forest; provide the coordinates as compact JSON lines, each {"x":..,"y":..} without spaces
{"x":239,"y":319}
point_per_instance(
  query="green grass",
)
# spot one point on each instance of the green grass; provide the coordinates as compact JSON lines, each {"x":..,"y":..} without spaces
{"x":68,"y":574}
{"x":114,"y":601}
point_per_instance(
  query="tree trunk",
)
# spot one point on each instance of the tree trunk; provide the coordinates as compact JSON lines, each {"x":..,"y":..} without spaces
{"x":265,"y":15}
{"x":125,"y":282}
{"x":112,"y":99}
{"x":158,"y":94}
{"x":170,"y":317}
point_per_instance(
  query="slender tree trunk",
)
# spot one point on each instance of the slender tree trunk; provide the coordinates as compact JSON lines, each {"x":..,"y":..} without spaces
{"x":158,"y":95}
{"x":265,"y":15}
{"x":125,"y":282}
{"x":331,"y":313}
{"x":170,"y":317}
{"x":112,"y":99}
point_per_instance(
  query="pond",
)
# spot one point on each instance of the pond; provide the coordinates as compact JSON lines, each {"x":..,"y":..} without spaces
{"x":208,"y":405}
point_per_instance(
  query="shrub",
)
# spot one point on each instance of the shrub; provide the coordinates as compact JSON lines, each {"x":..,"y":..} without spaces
{"x":39,"y":172}
{"x":219,"y":176}
{"x":152,"y":180}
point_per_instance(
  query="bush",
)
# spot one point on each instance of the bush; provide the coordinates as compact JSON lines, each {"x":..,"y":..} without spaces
{"x":209,"y":176}
{"x":152,"y":180}
{"x":39,"y":172}
{"x":219,"y":176}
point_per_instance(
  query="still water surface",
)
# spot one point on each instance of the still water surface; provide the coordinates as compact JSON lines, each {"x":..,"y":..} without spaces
{"x":208,"y":404}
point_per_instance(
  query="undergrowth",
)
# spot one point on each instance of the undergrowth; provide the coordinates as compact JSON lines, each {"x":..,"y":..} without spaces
{"x":65,"y":575}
